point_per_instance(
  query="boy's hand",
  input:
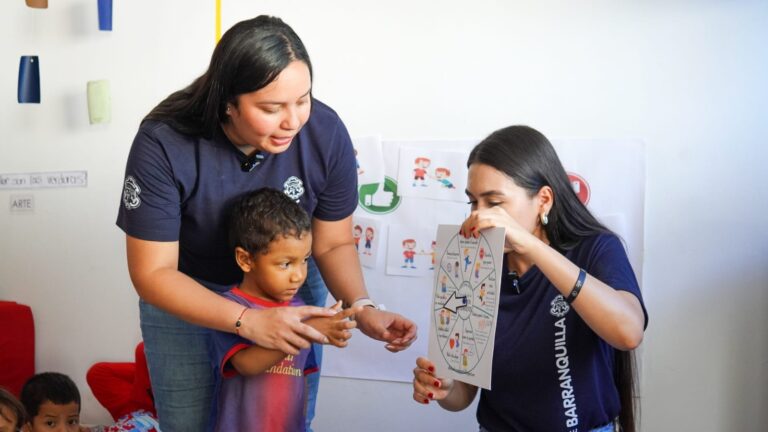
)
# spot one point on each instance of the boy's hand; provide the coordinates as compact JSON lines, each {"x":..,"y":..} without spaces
{"x":337,"y":327}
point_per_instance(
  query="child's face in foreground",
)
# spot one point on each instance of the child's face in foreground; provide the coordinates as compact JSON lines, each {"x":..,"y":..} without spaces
{"x":8,"y":420}
{"x":277,"y":275}
{"x":57,"y":417}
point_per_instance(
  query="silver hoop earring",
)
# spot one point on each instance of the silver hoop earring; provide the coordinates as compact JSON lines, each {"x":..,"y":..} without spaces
{"x":544,"y":219}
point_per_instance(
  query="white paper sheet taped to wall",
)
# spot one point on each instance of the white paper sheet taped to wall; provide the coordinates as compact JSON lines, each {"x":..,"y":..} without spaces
{"x":57,"y":179}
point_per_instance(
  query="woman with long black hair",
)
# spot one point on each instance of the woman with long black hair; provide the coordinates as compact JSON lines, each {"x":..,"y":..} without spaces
{"x":248,"y":122}
{"x":570,"y":309}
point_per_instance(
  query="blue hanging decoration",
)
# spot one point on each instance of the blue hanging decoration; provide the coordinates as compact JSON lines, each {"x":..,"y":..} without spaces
{"x":29,"y":80}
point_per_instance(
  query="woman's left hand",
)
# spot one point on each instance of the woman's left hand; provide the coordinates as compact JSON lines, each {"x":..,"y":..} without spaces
{"x":517,"y":238}
{"x":398,"y":331}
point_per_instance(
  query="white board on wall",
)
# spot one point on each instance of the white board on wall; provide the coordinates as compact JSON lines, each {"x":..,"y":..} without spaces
{"x":612,"y":172}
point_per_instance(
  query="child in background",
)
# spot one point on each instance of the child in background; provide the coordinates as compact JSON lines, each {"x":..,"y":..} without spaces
{"x":12,"y":414}
{"x":52,"y":402}
{"x":259,"y":389}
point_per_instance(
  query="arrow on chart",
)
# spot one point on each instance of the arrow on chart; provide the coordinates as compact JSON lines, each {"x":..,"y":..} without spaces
{"x":454,"y":303}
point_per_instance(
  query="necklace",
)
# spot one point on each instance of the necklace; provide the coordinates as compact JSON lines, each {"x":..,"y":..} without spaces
{"x":515,"y":281}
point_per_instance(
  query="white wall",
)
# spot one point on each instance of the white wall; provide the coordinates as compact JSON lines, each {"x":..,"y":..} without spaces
{"x":688,"y":77}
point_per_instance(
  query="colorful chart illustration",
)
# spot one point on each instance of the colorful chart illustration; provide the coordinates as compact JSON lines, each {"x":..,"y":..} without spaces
{"x":465,"y":302}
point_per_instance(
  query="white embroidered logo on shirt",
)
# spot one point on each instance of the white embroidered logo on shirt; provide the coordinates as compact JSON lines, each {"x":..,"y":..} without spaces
{"x":559,"y":306}
{"x":294,"y":188}
{"x":131,"y":192}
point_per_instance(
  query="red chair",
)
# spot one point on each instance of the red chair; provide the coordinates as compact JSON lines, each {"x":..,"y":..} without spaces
{"x":17,"y":345}
{"x":122,"y":387}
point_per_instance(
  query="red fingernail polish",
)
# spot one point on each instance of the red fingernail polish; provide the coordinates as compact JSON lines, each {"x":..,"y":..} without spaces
{"x":437,"y":383}
{"x":431,"y":396}
{"x":426,"y":401}
{"x":473,"y":228}
{"x":431,"y":368}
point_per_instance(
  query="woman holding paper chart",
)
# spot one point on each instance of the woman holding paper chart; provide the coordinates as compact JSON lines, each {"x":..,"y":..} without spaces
{"x":248,"y":122}
{"x":570,"y":309}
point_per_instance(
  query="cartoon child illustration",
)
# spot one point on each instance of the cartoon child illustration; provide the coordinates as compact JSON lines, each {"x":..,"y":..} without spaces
{"x":357,"y":231}
{"x":482,"y":294}
{"x":409,"y":252}
{"x":447,"y":317}
{"x":456,"y":336}
{"x":477,"y":270}
{"x":456,"y":269}
{"x":368,"y":240}
{"x":444,"y":283}
{"x":448,"y":267}
{"x":441,"y":175}
{"x":442,"y":317}
{"x":467,"y":261}
{"x":357,"y":162}
{"x":420,"y":172}
{"x":481,"y":253}
{"x":464,"y":360}
{"x":433,"y":253}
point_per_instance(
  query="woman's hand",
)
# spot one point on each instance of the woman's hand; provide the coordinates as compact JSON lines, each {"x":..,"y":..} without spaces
{"x":336,"y":328}
{"x":426,"y":386}
{"x":283,"y":328}
{"x":399,"y":332}
{"x":517,"y":238}
{"x":451,"y":395}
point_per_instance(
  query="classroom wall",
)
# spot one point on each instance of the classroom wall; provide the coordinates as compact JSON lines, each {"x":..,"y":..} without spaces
{"x":687,"y":77}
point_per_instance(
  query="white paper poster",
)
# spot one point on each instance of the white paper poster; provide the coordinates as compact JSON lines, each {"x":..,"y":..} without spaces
{"x":410,"y":250}
{"x":370,"y":160}
{"x":367,"y":234}
{"x":465,"y":304}
{"x":607,"y":174}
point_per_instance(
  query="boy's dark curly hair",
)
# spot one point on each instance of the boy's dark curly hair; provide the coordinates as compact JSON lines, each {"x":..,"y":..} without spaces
{"x":259,"y":217}
{"x":48,"y":386}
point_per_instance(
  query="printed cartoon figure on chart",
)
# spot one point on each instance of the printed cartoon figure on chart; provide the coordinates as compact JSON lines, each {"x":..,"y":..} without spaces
{"x":368,"y":240}
{"x":467,"y":261}
{"x":420,"y":172}
{"x":441,"y":175}
{"x":433,"y":253}
{"x":409,"y":252}
{"x":360,"y":171}
{"x":357,"y":231}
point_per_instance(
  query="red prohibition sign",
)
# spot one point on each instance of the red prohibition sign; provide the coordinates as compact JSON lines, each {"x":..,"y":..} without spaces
{"x":580,"y":186}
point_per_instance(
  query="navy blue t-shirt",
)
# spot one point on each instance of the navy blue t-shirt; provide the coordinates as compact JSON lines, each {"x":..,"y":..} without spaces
{"x":551,"y":372}
{"x":180,"y":188}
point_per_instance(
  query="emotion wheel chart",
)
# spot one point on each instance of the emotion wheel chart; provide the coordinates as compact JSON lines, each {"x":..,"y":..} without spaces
{"x":465,"y":301}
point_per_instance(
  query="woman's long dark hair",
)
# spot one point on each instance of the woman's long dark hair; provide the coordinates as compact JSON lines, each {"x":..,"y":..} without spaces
{"x":249,"y":56}
{"x":527,"y":157}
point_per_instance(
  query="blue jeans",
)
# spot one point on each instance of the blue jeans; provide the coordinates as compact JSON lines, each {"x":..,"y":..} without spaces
{"x":180,"y":368}
{"x":313,"y":292}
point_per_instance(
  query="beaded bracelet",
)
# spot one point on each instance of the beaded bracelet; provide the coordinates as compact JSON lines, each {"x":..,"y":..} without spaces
{"x":577,"y":286}
{"x":239,"y":322}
